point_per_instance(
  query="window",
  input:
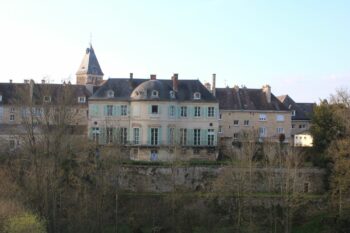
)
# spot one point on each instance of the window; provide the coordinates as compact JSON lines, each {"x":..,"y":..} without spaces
{"x":197,"y":96}
{"x":136,"y":133}
{"x":293,"y":126}
{"x":154,"y":93}
{"x":235,"y":122}
{"x":12,"y":144}
{"x":124,"y":110}
{"x":109,"y":135}
{"x":172,"y":94}
{"x":262,"y":132}
{"x":172,"y":111}
{"x":303,"y":126}
{"x":211,"y":111}
{"x":154,"y":109}
{"x":235,"y":136}
{"x":110,"y":94}
{"x":47,"y":99}
{"x":12,"y":109}
{"x":306,"y":187}
{"x":293,"y":113}
{"x":210,"y":137}
{"x":123,"y":136}
{"x":95,"y":134}
{"x":220,"y":129}
{"x":262,"y":117}
{"x":196,"y":137}
{"x":154,"y":136}
{"x":220,"y":116}
{"x":183,"y":111}
{"x":0,"y":98}
{"x":246,"y":122}
{"x":109,"y":110}
{"x":279,"y":130}
{"x":197,"y":111}
{"x":12,"y":117}
{"x":183,"y":137}
{"x":81,"y":99}
{"x":171,"y":136}
{"x":279,"y":118}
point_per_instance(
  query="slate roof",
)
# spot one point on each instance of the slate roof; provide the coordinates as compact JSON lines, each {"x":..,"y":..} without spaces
{"x":303,"y":111}
{"x":89,"y":64}
{"x":123,"y":89}
{"x":247,"y":99}
{"x":11,"y":92}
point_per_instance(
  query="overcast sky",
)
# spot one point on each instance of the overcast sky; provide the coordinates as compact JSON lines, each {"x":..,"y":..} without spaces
{"x":299,"y":47}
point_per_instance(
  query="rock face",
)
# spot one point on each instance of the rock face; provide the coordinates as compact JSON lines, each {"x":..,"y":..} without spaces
{"x":211,"y":178}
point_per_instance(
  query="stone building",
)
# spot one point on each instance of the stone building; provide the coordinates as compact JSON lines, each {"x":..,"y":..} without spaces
{"x":256,"y":111}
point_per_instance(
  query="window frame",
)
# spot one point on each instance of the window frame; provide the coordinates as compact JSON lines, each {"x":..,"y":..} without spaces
{"x":197,"y":111}
{"x":262,"y":117}
{"x":183,"y":111}
{"x":211,"y":112}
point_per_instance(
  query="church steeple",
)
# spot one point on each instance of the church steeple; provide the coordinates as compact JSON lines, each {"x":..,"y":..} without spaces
{"x":89,"y":71}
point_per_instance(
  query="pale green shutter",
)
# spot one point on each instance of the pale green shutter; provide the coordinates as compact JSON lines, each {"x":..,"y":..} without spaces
{"x":159,"y":109}
{"x":205,"y":112}
{"x":149,"y":109}
{"x":204,"y":137}
{"x":105,"y":110}
{"x":160,"y":139}
{"x":90,"y":133}
{"x":149,"y":136}
{"x":190,"y":137}
{"x":114,"y":110}
{"x":102,"y":137}
{"x":168,"y":135}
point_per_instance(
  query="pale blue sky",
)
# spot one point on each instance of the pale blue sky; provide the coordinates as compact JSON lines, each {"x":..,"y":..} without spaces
{"x":299,"y":47}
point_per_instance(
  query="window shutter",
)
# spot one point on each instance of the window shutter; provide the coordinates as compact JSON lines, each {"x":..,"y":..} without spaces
{"x":215,"y":138}
{"x":114,"y":110}
{"x":159,"y":109}
{"x":190,"y":136}
{"x":149,"y":136}
{"x":160,"y":139}
{"x":169,"y":111}
{"x":168,"y":135}
{"x":204,"y":137}
{"x":102,"y":136}
{"x":179,"y":111}
{"x":115,"y":135}
{"x":215,"y":112}
{"x":105,"y":110}
{"x":205,"y":111}
{"x":90,"y":133}
{"x":118,"y":110}
{"x":149,"y":109}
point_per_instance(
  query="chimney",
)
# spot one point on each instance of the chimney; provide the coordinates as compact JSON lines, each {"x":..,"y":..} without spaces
{"x":131,"y":76}
{"x":31,"y":89}
{"x":43,"y":81}
{"x":26,"y":81}
{"x":153,"y":77}
{"x":175,"y":79}
{"x":213,"y":91}
{"x":267,"y":90}
{"x":10,"y":80}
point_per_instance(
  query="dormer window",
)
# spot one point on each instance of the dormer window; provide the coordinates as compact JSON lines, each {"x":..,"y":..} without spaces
{"x":81,"y":99}
{"x":47,"y":99}
{"x":154,"y":93}
{"x":172,"y":95}
{"x":197,"y":96}
{"x":0,"y":98}
{"x":110,"y":94}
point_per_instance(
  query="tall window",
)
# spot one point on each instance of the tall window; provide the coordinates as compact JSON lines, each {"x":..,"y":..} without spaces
{"x":210,"y":137}
{"x":246,"y":123}
{"x":262,"y":132}
{"x":154,"y":136}
{"x":211,"y":111}
{"x":196,"y":137}
{"x":109,"y":135}
{"x":136,"y":136}
{"x":12,"y":117}
{"x":95,"y":134}
{"x":109,"y":110}
{"x":235,"y":122}
{"x":183,"y":111}
{"x":172,"y":111}
{"x":123,"y":110}
{"x":183,"y":137}
{"x":197,"y":111}
{"x":123,"y":136}
{"x":171,"y":136}
{"x":262,"y":117}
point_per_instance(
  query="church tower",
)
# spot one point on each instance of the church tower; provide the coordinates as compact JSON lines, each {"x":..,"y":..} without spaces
{"x":89,"y":71}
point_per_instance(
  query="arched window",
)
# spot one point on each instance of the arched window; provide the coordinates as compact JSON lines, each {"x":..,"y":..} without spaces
{"x":110,"y":94}
{"x":154,"y":93}
{"x":197,"y":96}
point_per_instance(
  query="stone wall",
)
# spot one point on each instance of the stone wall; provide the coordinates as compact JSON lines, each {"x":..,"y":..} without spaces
{"x":208,"y":179}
